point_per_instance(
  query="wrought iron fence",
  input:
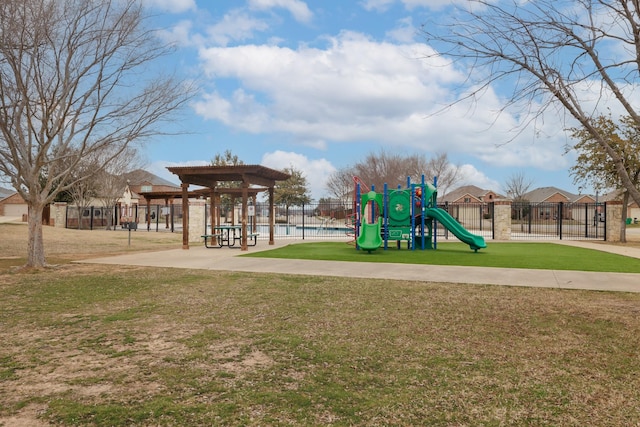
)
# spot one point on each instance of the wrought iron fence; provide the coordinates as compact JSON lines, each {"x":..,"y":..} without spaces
{"x":320,"y":221}
{"x":336,"y":221}
{"x":89,"y":218}
{"x":159,"y":217}
{"x":477,"y":218}
{"x":548,"y":221}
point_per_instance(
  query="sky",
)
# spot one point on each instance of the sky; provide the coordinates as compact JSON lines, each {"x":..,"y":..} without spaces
{"x":319,"y":84}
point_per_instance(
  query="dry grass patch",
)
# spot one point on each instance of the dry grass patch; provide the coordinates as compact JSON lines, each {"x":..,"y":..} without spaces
{"x":136,"y":346}
{"x":64,"y":245}
{"x":106,"y":345}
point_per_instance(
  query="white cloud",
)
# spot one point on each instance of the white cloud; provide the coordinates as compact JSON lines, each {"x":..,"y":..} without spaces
{"x":315,"y":171}
{"x":405,"y":32}
{"x":377,"y":5}
{"x":356,"y":89}
{"x":236,"y":25}
{"x":345,"y":92}
{"x":469,"y":175}
{"x":179,"y":34}
{"x":172,"y":6}
{"x":298,"y":9}
{"x":384,"y":5}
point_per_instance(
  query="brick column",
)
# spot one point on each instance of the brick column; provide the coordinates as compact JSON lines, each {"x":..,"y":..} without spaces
{"x":502,"y":220}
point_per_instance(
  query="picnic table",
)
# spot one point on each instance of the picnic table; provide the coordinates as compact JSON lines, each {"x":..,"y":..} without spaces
{"x":227,"y":235}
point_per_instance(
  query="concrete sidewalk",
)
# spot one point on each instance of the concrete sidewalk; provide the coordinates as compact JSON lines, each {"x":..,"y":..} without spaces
{"x":198,"y":257}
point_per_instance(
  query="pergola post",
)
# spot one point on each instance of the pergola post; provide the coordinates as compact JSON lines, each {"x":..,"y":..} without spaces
{"x":185,"y":215}
{"x":166,"y":210}
{"x":148,"y":214}
{"x":245,"y":197}
{"x":272,"y":216}
{"x":213,"y":209}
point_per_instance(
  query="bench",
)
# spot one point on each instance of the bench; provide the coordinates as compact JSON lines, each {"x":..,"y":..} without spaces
{"x":252,"y":237}
{"x":215,"y":238}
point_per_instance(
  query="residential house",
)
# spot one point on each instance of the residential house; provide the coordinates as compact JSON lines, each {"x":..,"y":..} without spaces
{"x":543,"y":203}
{"x":468,"y":202}
{"x":469,"y":194}
{"x":12,"y":204}
{"x":140,"y":182}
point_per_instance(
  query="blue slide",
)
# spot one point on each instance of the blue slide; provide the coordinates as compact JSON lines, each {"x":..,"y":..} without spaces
{"x":474,"y":241}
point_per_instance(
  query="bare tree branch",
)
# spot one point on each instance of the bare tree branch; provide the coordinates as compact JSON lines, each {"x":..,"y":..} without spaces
{"x":75,"y":82}
{"x":580,"y":56}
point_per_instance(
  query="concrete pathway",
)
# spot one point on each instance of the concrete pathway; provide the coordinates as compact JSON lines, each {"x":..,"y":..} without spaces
{"x":10,"y":219}
{"x":198,"y":257}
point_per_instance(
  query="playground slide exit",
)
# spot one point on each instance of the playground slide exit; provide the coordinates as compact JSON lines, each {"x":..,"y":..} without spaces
{"x":474,"y":241}
{"x":370,"y":237}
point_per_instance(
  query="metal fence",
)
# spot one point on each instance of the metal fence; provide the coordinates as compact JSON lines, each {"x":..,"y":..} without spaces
{"x":316,"y":221}
{"x":477,"y":218}
{"x":562,"y":221}
{"x":89,"y":218}
{"x":336,"y":221}
{"x":159,"y":217}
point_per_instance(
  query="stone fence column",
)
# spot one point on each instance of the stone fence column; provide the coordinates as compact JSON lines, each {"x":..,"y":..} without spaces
{"x":614,"y":219}
{"x":59,"y":214}
{"x":502,"y":220}
{"x":196,"y":220}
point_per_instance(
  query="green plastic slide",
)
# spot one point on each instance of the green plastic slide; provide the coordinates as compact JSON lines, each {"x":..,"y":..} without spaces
{"x":474,"y":241}
{"x":370,"y":238}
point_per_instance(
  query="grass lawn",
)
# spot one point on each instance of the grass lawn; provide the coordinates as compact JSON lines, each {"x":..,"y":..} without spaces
{"x":105,"y":346}
{"x":96,"y":345}
{"x":497,"y":254}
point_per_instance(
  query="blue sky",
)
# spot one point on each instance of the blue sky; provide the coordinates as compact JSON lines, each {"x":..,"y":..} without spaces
{"x":320,"y":84}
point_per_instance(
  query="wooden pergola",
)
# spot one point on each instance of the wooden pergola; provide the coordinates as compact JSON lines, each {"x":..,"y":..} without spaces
{"x":210,"y":176}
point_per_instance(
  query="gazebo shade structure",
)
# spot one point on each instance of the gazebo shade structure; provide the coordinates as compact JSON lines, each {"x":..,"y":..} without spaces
{"x":210,"y":176}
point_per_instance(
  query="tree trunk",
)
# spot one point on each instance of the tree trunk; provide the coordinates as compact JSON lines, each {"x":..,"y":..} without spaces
{"x":35,"y":246}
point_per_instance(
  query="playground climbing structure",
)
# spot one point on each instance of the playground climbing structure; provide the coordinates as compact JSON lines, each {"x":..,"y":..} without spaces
{"x":408,"y":215}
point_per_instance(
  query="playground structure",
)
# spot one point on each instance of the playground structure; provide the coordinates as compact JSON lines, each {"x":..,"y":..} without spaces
{"x":405,"y":215}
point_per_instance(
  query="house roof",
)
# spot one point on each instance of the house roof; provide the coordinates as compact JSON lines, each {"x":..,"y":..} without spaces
{"x":616,"y":195}
{"x":543,"y":194}
{"x":4,"y":192}
{"x":141,"y":176}
{"x":470,"y":190}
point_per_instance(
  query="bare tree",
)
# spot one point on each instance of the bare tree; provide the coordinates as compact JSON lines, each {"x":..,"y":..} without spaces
{"x":75,"y":79}
{"x":578,"y":55}
{"x":111,"y":182}
{"x":390,"y":167}
{"x":83,"y":190}
{"x":393,"y":168}
{"x":517,"y":185}
{"x":340,"y":185}
{"x":447,"y":173}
